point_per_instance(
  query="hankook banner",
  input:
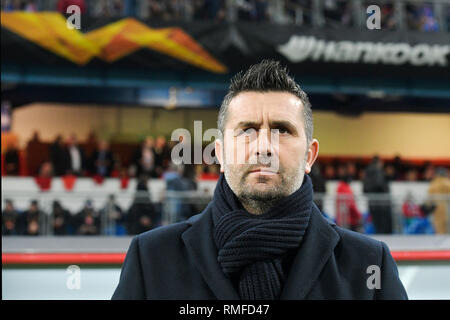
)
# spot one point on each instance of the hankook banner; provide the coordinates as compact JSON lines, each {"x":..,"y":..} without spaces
{"x":43,"y":39}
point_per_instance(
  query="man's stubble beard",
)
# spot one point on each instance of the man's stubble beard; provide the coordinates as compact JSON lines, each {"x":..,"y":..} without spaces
{"x":260,"y":201}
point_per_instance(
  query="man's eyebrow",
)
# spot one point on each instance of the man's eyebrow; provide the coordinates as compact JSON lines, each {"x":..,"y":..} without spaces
{"x":245,"y":124}
{"x":283,"y":123}
{"x":273,"y":124}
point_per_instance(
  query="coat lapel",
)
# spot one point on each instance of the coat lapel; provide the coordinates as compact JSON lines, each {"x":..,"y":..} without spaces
{"x":200,"y":244}
{"x":316,"y":248}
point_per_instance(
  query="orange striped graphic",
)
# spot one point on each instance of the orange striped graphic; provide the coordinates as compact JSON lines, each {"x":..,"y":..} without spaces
{"x":109,"y":43}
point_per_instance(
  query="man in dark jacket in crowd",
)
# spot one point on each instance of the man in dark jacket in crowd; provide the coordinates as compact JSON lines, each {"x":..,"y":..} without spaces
{"x":9,"y":219}
{"x":142,"y":215}
{"x":32,"y":222}
{"x":87,"y":221}
{"x":12,"y":161}
{"x":261,"y":237}
{"x":58,"y":157}
{"x":60,"y":219}
{"x":377,"y":187}
{"x":102,"y":160}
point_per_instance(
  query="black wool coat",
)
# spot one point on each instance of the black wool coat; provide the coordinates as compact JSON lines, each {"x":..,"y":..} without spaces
{"x":179,"y":262}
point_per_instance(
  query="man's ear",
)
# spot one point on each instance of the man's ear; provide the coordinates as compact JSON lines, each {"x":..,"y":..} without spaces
{"x":313,"y":152}
{"x":218,"y":145}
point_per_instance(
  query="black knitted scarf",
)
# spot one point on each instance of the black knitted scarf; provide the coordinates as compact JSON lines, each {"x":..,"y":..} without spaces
{"x":251,"y":247}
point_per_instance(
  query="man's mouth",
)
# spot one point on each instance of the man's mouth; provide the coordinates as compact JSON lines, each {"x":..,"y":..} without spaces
{"x":264,"y":171}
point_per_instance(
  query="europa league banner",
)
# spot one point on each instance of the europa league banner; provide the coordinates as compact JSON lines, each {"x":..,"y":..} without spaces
{"x":44,"y":39}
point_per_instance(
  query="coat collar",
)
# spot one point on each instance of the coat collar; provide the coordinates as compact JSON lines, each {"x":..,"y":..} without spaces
{"x":316,"y":248}
{"x":200,"y":243}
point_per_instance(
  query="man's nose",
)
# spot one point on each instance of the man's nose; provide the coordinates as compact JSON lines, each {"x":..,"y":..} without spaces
{"x":264,"y":141}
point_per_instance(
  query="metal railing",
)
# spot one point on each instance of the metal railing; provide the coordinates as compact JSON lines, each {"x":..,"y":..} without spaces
{"x":375,"y":213}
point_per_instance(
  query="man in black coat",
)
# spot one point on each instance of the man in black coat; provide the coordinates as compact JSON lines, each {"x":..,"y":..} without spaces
{"x":261,"y":237}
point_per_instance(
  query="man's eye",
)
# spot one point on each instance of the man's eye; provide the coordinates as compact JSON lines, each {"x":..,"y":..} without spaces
{"x":249,"y":131}
{"x":281,"y":130}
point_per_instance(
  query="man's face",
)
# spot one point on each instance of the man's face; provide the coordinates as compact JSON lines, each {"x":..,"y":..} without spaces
{"x":284,"y":152}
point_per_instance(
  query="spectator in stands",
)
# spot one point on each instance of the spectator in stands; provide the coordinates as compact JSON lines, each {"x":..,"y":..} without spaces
{"x":156,"y":9}
{"x":318,"y":183}
{"x":162,"y":155}
{"x":31,"y":6}
{"x":142,"y":215}
{"x":399,"y":167}
{"x":439,"y":192}
{"x":415,"y":216}
{"x":352,"y":171}
{"x":331,"y":12}
{"x":44,"y":178}
{"x":428,"y":21}
{"x":389,"y":172}
{"x":330,"y":173}
{"x":76,"y":157}
{"x":90,"y":145}
{"x":9,"y":219}
{"x":13,"y":5}
{"x":347,"y":213}
{"x":32,"y":222}
{"x":37,"y":153}
{"x":109,"y":8}
{"x":410,"y":208}
{"x":208,"y":9}
{"x":245,"y":10}
{"x":341,"y":172}
{"x":61,"y":219}
{"x":112,"y":217}
{"x":12,"y":161}
{"x":210,"y":172}
{"x":428,"y":171}
{"x":412,"y":175}
{"x":380,"y":209}
{"x":62,"y":5}
{"x":58,"y":157}
{"x":179,"y":9}
{"x":412,"y":16}
{"x":388,"y":21}
{"x":179,"y":178}
{"x":87,"y":221}
{"x":102,"y":160}
{"x":298,"y":11}
{"x":261,"y":10}
{"x":144,"y":158}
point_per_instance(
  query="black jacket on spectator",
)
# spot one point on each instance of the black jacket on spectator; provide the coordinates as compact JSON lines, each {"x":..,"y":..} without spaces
{"x":179,"y":261}
{"x":141,"y":210}
{"x":108,"y":160}
{"x":59,"y":159}
{"x":12,"y":162}
{"x":9,"y":222}
{"x":31,"y":223}
{"x":87,"y":222}
{"x":380,"y":210}
{"x":61,"y":221}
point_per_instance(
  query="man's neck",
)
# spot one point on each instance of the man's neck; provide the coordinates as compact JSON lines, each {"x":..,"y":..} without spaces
{"x":257,"y":207}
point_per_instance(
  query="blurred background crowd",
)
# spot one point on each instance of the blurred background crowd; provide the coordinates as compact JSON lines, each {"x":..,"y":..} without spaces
{"x":143,"y":75}
{"x":97,"y":159}
{"x":409,"y":14}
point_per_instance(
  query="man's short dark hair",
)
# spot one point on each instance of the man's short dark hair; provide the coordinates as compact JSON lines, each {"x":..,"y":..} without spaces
{"x":266,"y":76}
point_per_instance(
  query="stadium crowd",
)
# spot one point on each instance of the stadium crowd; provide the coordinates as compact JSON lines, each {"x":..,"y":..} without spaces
{"x":99,"y":158}
{"x":95,"y":158}
{"x":421,"y":16}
